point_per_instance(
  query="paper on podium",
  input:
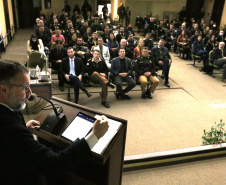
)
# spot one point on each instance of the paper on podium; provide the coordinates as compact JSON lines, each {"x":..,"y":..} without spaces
{"x":108,"y":136}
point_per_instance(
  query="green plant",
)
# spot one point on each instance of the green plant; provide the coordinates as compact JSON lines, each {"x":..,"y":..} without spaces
{"x":216,"y":135}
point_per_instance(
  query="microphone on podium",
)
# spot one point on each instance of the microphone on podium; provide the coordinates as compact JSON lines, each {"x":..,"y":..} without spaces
{"x":51,"y":121}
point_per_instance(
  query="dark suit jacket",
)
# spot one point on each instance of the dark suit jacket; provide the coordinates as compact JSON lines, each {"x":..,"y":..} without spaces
{"x":217,"y":53}
{"x":24,"y":161}
{"x":116,"y":66}
{"x":99,"y":67}
{"x":65,"y":66}
{"x":54,"y":56}
{"x":156,"y":54}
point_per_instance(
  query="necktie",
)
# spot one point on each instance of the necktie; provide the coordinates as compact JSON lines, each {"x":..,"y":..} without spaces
{"x":101,"y":51}
{"x":72,"y":70}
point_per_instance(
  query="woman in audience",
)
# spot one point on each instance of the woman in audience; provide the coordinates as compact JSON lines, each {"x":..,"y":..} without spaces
{"x":183,"y":43}
{"x":92,"y":42}
{"x":35,"y":45}
{"x":112,"y":45}
{"x":137,"y":50}
{"x":211,"y":43}
{"x":87,"y":35}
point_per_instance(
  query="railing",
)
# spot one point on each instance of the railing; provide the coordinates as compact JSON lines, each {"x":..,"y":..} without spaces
{"x":9,"y":37}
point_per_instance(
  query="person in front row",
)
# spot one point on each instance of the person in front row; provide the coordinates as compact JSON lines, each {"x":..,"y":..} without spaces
{"x":55,"y":58}
{"x":121,"y":69}
{"x":219,"y":58}
{"x":145,"y":69}
{"x":98,"y":73}
{"x":72,"y":70}
{"x":162,"y":59}
{"x":23,"y":160}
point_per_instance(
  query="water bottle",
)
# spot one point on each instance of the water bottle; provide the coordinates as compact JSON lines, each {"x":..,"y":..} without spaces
{"x":37,"y":71}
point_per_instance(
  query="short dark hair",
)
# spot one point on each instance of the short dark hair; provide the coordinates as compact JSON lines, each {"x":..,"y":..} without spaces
{"x":70,"y":48}
{"x":9,"y":69}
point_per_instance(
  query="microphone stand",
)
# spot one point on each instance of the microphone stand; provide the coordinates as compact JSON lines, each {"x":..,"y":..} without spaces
{"x":52,"y":120}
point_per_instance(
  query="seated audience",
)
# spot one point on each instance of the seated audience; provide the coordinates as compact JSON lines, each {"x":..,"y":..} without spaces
{"x":198,"y":49}
{"x":81,"y":50}
{"x":148,"y":42}
{"x":72,"y":70}
{"x":121,"y":35}
{"x":98,"y":73}
{"x":57,"y":36}
{"x":219,"y":58}
{"x":121,"y":69}
{"x":183,"y":43}
{"x":211,"y":43}
{"x":145,"y":69}
{"x":35,"y":45}
{"x":162,"y":59}
{"x":92,"y":42}
{"x":138,"y":49}
{"x":55,"y":58}
{"x":112,"y":45}
{"x":123,"y":45}
{"x":131,"y":42}
{"x":104,"y":52}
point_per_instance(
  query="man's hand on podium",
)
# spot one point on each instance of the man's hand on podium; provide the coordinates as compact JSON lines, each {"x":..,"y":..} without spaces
{"x":100,"y":127}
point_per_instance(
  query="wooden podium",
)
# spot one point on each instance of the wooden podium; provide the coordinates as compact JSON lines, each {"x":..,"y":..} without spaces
{"x":105,"y":169}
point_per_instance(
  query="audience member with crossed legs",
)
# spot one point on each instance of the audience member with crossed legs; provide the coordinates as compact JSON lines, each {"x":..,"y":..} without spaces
{"x":72,"y":70}
{"x":98,"y":72}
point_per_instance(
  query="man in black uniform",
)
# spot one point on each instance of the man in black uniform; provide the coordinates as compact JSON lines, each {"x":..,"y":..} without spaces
{"x":145,"y":69}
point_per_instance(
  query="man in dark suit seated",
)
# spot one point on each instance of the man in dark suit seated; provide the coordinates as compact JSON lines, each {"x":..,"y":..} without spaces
{"x":162,"y":59}
{"x":24,"y":160}
{"x":218,"y":57}
{"x":72,"y":70}
{"x":98,"y":73}
{"x":121,"y":69}
{"x":55,"y":58}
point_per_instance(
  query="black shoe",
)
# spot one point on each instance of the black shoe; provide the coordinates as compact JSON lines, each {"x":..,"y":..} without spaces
{"x":117,"y":95}
{"x":127,"y":97}
{"x":111,"y":85}
{"x":162,"y":77}
{"x":148,"y":93}
{"x":167,"y":84}
{"x":105,"y":104}
{"x":88,"y":94}
{"x":143,"y":96}
{"x":62,"y":88}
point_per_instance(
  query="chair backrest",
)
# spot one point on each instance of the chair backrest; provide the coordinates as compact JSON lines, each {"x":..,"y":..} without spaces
{"x":34,"y":60}
{"x":210,"y":57}
{"x":136,"y":38}
{"x":53,"y":46}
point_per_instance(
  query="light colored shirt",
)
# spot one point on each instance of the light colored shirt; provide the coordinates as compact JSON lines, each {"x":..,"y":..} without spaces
{"x":72,"y":66}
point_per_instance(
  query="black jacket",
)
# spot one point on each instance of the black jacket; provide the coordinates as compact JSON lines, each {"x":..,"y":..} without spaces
{"x":23,"y":161}
{"x":145,"y":64}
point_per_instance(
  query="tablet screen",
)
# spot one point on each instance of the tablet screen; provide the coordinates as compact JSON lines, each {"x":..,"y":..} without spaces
{"x":80,"y":126}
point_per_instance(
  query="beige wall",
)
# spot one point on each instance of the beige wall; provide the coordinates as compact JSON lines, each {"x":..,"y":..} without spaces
{"x":223,"y":19}
{"x":2,"y":19}
{"x":154,"y":6}
{"x":11,"y":15}
{"x":58,"y":5}
{"x":208,"y":6}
